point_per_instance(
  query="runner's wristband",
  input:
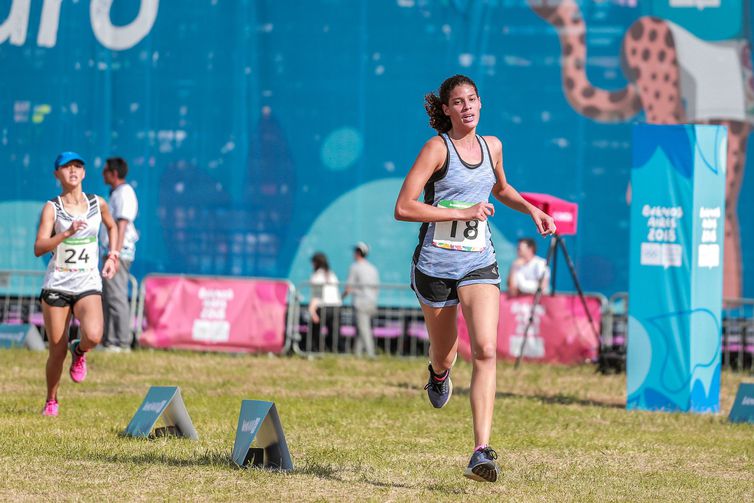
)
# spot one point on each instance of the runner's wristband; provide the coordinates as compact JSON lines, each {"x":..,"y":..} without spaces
{"x":113,"y":253}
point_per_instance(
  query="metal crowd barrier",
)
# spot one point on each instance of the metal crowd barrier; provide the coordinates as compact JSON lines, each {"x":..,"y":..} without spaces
{"x":19,"y":298}
{"x":737,"y":330}
{"x":616,"y":331}
{"x":738,"y":334}
{"x":397,"y":328}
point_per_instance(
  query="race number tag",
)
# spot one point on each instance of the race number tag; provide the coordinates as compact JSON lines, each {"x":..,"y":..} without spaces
{"x":459,"y":235}
{"x":77,"y":254}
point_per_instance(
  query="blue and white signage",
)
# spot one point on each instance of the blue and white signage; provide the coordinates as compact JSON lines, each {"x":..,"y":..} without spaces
{"x":13,"y":336}
{"x":20,"y":336}
{"x":743,"y":407}
{"x":676,"y":274}
{"x":259,"y":421}
{"x":162,"y":402}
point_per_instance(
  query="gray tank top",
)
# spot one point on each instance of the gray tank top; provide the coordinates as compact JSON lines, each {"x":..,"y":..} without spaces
{"x":453,"y":249}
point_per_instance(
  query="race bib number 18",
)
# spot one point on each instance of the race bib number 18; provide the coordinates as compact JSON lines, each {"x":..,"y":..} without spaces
{"x":459,"y":235}
{"x":77,"y":254}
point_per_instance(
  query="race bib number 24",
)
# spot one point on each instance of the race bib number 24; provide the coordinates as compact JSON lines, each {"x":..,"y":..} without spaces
{"x":459,"y":235}
{"x":77,"y":254}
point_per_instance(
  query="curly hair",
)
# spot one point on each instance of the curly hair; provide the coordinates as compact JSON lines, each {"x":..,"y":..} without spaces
{"x":433,"y":103}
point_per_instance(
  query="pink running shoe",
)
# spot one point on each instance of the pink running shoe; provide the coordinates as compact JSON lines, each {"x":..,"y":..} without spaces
{"x":78,"y":363}
{"x":51,"y":408}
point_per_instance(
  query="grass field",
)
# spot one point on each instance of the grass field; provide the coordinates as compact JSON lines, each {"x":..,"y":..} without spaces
{"x":359,"y":430}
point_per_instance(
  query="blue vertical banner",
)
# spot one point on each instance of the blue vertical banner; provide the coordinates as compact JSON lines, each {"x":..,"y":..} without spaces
{"x":675,"y":274}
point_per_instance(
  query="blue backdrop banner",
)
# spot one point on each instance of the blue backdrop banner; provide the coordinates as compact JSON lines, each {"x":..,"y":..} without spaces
{"x":259,"y":131}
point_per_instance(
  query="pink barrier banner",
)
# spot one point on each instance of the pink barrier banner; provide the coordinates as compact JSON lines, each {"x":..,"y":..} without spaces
{"x":215,"y":314}
{"x":560,"y":332}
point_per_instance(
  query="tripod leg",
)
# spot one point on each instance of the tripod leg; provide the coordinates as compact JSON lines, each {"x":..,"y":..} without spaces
{"x":554,"y":265}
{"x":576,"y":283}
{"x":537,"y":297}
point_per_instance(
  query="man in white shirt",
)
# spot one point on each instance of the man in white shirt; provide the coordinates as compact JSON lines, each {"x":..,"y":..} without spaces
{"x":527,"y":270}
{"x":363,"y":283}
{"x":124,"y":207}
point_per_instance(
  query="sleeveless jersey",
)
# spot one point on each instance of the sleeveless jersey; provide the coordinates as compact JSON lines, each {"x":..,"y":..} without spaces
{"x":74,"y":266}
{"x":453,"y":249}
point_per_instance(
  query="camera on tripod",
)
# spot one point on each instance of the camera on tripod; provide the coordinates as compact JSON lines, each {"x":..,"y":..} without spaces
{"x":565,"y":214}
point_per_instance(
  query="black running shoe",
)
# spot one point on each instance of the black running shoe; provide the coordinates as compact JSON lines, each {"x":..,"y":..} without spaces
{"x":482,"y":466}
{"x":439,"y":388}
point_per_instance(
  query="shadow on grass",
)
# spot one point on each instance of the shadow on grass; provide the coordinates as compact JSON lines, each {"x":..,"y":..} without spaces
{"x":156,"y":458}
{"x":557,"y":399}
{"x":222,"y":459}
{"x":330,"y":472}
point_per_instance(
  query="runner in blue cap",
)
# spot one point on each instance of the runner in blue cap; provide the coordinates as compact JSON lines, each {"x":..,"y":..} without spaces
{"x":72,"y":285}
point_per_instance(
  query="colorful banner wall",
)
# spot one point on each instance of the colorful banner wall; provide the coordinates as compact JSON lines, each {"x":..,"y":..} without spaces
{"x":676,"y":275}
{"x":211,"y":314}
{"x":256,"y":130}
{"x":560,"y":331}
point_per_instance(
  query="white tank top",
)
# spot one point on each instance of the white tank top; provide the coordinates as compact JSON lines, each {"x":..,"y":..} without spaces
{"x":74,"y":266}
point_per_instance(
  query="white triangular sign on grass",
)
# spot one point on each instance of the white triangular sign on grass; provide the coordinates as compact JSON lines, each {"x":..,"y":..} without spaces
{"x":259,"y":421}
{"x":162,"y":402}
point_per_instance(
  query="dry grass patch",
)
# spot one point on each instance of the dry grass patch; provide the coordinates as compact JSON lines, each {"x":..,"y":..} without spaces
{"x":359,"y":430}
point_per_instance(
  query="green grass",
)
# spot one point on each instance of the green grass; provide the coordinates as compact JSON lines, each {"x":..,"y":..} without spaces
{"x":359,"y":430}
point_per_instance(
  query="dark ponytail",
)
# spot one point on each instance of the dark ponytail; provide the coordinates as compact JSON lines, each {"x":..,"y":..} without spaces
{"x":437,"y":118}
{"x":433,"y":103}
{"x":319,"y":261}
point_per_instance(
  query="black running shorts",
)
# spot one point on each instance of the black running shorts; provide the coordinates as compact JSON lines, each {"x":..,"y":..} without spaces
{"x":56,"y":298}
{"x":442,"y":292}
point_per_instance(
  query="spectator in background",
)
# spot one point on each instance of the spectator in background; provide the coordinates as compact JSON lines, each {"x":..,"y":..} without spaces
{"x":363,"y":282}
{"x":325,"y":302}
{"x":527,"y":270}
{"x":124,"y":206}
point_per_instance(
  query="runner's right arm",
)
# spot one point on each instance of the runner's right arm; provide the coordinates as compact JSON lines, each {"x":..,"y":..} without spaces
{"x":46,"y":242}
{"x":408,"y":208}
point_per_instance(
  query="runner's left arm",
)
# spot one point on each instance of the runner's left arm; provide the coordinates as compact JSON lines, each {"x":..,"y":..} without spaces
{"x":509,"y":196}
{"x":111,"y":262}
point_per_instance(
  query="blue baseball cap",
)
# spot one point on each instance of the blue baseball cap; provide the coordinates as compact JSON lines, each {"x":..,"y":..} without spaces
{"x":64,"y":158}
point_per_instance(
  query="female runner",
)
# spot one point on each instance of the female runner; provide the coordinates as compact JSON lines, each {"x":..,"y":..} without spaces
{"x":68,"y":228}
{"x":454,"y":262}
